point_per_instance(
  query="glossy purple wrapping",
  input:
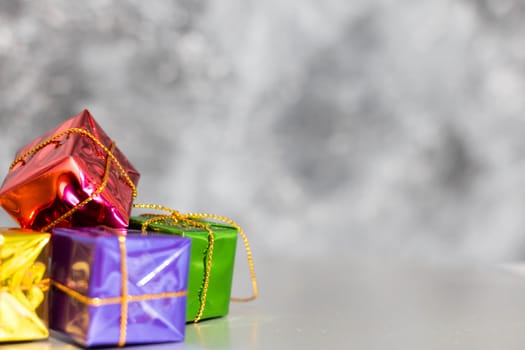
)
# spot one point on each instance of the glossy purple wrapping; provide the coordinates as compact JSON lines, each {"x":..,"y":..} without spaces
{"x":87,"y":260}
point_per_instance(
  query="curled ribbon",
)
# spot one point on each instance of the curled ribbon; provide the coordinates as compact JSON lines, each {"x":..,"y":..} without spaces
{"x":191,"y":219}
{"x":109,"y":159}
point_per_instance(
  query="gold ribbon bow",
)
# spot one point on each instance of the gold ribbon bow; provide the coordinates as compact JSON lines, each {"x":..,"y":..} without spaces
{"x":110,"y":158}
{"x":124,"y":298}
{"x":191,"y":219}
{"x":24,"y":279}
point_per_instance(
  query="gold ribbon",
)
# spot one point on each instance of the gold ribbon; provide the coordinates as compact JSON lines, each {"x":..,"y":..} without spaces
{"x":110,"y":157}
{"x":43,"y":285}
{"x":191,"y":220}
{"x":115,"y":300}
{"x":123,"y":289}
{"x":24,"y":284}
{"x":124,"y":298}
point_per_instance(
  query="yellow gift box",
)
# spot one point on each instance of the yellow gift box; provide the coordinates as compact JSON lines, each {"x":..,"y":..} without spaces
{"x":24,"y":283}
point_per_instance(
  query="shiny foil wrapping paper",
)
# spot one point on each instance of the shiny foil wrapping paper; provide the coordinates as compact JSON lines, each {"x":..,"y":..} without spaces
{"x":86,"y":267}
{"x":221,"y":274}
{"x":24,"y":285}
{"x":54,"y":179}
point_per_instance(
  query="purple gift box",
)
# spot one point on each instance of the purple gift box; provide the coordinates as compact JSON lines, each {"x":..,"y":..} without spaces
{"x":117,"y":287}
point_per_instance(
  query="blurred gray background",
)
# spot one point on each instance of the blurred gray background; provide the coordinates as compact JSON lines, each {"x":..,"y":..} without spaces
{"x":322,"y":127}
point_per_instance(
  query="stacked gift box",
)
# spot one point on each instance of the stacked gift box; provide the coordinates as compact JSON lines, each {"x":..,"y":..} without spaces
{"x":80,"y":266}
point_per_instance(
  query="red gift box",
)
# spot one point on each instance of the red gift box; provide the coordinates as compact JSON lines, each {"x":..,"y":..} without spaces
{"x":73,"y":175}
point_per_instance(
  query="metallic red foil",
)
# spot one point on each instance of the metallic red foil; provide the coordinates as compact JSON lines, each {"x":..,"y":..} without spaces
{"x":56,"y":178}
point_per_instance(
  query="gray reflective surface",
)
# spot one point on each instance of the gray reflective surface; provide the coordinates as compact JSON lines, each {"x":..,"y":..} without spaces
{"x":367,"y":303}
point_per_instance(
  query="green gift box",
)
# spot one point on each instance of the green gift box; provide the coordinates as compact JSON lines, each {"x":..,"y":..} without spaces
{"x":221,"y":272}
